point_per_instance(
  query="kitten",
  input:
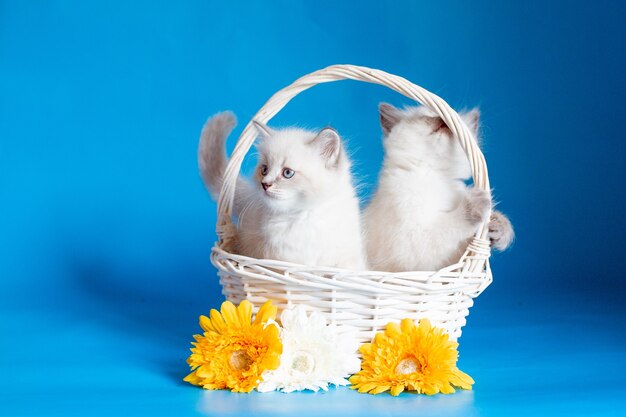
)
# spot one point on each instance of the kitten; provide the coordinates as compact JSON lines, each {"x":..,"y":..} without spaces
{"x":300,"y":206}
{"x":422,"y":216}
{"x":501,"y":232}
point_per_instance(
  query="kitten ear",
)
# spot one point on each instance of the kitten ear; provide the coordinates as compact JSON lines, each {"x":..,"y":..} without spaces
{"x":328,"y":143}
{"x":437,"y":125}
{"x":472,"y":119}
{"x":389,"y":116}
{"x":264,"y":130}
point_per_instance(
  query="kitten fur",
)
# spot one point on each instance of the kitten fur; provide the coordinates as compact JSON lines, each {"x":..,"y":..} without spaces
{"x":501,"y":231}
{"x":311,"y":218}
{"x":422,"y":214}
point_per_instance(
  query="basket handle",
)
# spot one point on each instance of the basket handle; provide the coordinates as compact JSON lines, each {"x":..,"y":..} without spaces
{"x":225,"y":228}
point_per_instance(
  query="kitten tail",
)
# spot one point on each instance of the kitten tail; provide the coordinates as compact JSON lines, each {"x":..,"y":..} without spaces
{"x":212,"y":158}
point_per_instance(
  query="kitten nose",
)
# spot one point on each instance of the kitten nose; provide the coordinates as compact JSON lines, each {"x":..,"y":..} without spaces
{"x":266,"y":185}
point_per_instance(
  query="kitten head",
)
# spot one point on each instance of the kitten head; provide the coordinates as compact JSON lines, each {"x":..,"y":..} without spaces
{"x":298,"y":168}
{"x":417,"y":136}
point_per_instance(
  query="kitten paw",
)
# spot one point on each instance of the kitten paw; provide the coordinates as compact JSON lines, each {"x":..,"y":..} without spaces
{"x":501,"y":232}
{"x":476,"y":205}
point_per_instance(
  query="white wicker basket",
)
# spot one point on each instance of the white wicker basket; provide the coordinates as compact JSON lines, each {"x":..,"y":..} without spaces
{"x":361,"y":301}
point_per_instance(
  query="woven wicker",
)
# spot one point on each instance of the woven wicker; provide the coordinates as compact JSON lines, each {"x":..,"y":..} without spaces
{"x":358,"y":301}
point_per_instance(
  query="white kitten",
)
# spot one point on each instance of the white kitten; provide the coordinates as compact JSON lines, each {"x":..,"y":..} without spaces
{"x":300,"y":206}
{"x":422,"y":215}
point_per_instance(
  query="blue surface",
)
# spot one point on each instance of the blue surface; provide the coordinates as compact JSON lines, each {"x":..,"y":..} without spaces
{"x":105,"y":228}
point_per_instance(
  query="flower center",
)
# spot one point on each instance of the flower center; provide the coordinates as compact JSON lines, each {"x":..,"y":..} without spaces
{"x":303,"y":362}
{"x":407,"y":366}
{"x":240,"y":360}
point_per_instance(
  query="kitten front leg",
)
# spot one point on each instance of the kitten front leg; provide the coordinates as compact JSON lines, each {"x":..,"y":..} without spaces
{"x":476,"y":205}
{"x":501,"y":233}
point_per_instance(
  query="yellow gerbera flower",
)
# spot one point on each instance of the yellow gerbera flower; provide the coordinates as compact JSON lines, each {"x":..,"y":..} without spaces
{"x":234,"y":350}
{"x":416,"y":358}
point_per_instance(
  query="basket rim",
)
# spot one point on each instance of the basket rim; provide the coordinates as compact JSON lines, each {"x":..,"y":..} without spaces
{"x":406,"y":282}
{"x":331,"y":269}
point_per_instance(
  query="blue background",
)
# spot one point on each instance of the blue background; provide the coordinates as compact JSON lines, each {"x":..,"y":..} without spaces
{"x":106,"y":229}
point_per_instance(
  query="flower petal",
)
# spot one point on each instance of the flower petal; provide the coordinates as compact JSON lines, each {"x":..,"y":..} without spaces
{"x":244,"y":312}
{"x":229,"y":312}
{"x":407,"y":325}
{"x":206,"y":325}
{"x":447,"y":389}
{"x":425,"y":324}
{"x":462,"y":380}
{"x":217,"y":321}
{"x":393,"y":329}
{"x":366,"y":348}
{"x":396,"y":390}
{"x":379,"y":389}
{"x":266,"y":387}
{"x":266,"y":312}
{"x":193,"y":378}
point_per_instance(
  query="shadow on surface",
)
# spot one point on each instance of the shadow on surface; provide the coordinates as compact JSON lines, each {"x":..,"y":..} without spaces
{"x":336,"y":401}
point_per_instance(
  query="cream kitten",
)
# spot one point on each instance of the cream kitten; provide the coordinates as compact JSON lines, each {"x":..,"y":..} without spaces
{"x":300,"y":206}
{"x":422,"y":215}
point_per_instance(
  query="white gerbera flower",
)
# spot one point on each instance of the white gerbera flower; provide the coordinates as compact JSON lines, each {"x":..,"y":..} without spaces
{"x":314,"y":354}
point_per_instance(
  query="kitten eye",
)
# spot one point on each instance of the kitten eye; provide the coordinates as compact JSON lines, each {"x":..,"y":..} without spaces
{"x":263,"y":169}
{"x":288,"y":173}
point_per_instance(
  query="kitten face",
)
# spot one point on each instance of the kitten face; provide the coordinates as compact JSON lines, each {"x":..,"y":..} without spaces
{"x":297,"y":168}
{"x":418,"y":135}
